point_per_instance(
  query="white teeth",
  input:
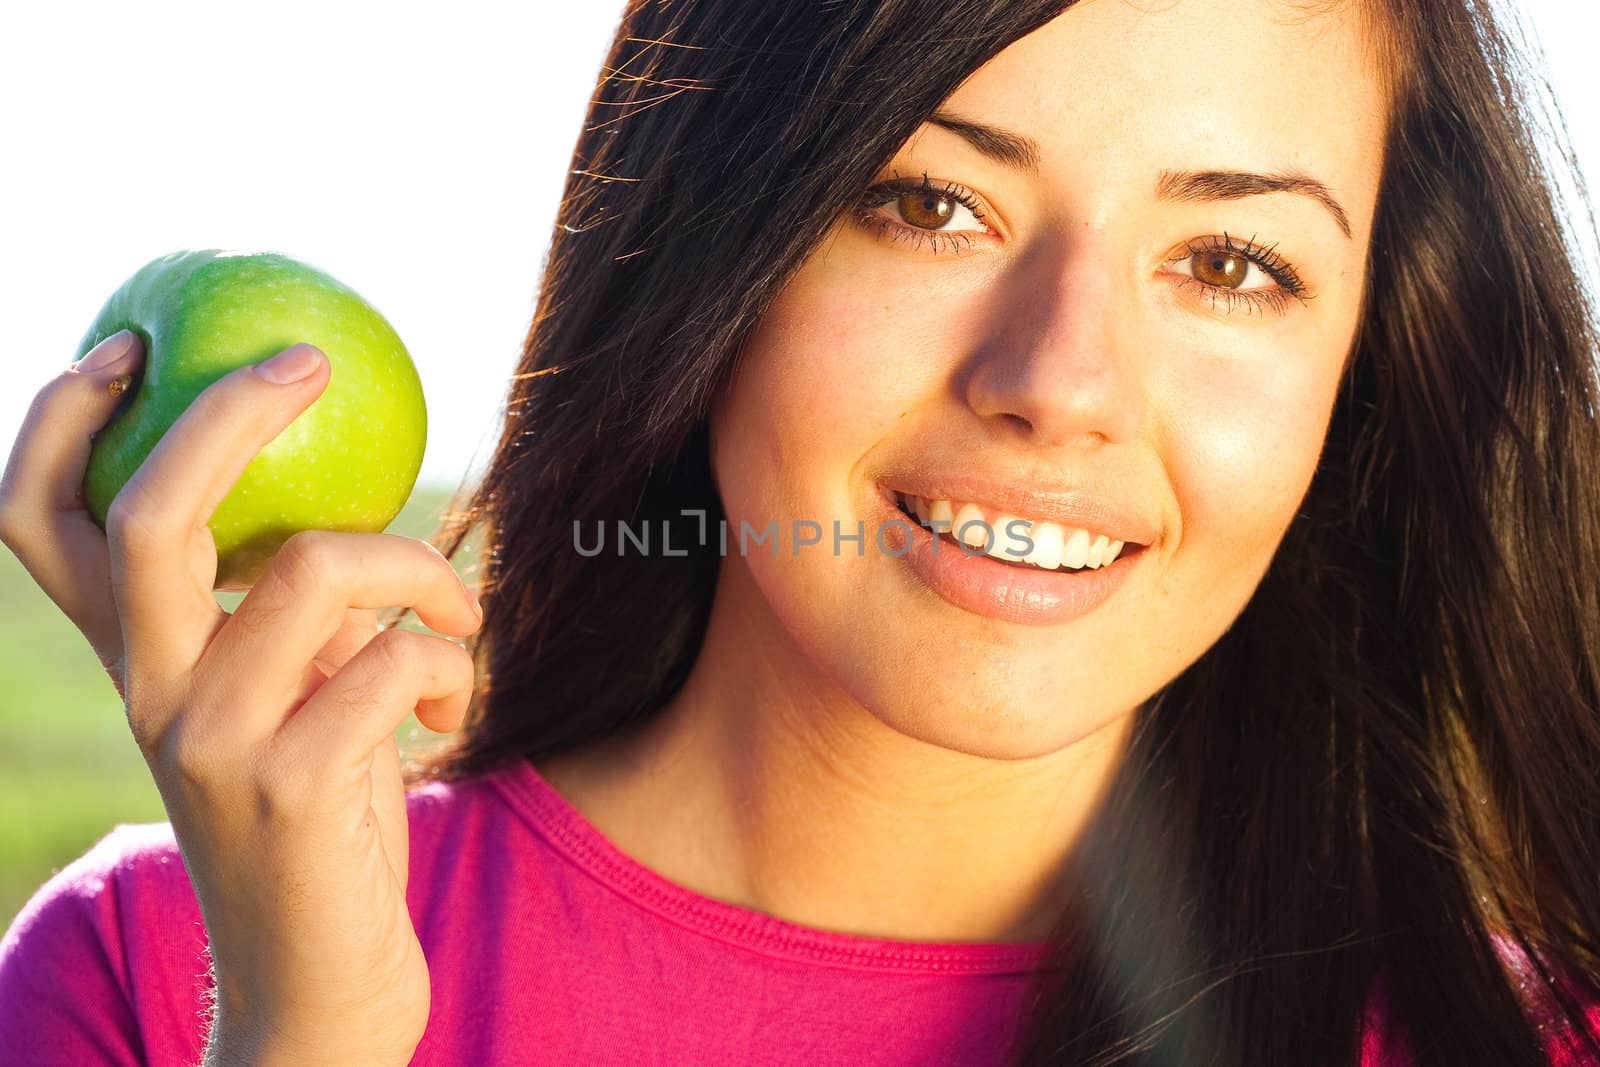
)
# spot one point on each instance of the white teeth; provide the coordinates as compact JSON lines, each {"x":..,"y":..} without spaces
{"x":1097,"y":550}
{"x":1055,"y":547}
{"x":969,"y":526}
{"x":1076,"y":550}
{"x":1047,"y":545}
{"x":1006,"y":546}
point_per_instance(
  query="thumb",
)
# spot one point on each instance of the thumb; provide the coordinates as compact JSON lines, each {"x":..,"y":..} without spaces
{"x":45,"y":473}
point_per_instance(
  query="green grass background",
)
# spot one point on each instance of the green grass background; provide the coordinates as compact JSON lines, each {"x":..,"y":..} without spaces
{"x":69,"y":769}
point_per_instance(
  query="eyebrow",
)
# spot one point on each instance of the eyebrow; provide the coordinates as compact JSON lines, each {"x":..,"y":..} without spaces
{"x":1022,"y":153}
{"x":1002,"y":146}
{"x":1191,"y":185}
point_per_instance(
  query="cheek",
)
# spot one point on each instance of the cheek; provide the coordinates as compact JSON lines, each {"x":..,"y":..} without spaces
{"x":825,"y":376}
{"x":773,"y":448}
{"x":1242,"y":448}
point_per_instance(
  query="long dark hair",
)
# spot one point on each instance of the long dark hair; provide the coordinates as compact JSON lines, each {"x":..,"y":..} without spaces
{"x":1387,"y":771}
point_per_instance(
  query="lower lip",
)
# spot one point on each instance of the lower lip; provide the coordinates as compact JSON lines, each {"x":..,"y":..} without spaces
{"x":985,"y":586}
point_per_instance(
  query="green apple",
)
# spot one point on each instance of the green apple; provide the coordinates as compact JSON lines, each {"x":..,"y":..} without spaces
{"x":348,"y":462}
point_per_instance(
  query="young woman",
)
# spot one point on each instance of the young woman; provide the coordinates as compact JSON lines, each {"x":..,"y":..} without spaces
{"x":1280,"y":746}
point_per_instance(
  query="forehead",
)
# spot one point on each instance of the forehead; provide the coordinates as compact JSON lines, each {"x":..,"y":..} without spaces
{"x":1134,"y":86}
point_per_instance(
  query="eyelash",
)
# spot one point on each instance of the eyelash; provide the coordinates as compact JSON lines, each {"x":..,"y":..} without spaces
{"x":875,"y":196}
{"x":1276,"y":267}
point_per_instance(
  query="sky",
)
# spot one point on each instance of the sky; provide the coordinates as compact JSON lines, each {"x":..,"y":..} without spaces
{"x":414,"y":155}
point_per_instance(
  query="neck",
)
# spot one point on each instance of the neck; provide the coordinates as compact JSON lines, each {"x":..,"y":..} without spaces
{"x":763,"y":784}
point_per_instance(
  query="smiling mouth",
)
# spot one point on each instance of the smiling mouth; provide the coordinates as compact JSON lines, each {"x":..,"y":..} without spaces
{"x":1054,"y":549}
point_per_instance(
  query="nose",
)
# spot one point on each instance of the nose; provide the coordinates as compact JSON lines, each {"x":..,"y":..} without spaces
{"x":1059,"y":366}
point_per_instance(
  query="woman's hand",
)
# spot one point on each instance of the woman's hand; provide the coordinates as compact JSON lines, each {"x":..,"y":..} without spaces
{"x":269,"y":732}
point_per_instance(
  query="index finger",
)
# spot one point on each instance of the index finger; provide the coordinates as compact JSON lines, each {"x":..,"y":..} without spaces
{"x":164,"y":600}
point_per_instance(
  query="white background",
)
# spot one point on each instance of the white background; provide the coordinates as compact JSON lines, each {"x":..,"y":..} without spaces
{"x":416,"y":153}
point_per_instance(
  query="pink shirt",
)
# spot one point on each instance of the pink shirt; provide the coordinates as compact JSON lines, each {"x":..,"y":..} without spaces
{"x":545,"y":945}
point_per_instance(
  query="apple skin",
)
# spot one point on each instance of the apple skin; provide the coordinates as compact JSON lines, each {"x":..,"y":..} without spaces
{"x":348,"y":462}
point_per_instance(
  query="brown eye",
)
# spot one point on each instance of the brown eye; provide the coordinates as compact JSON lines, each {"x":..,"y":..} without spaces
{"x":942,"y":215}
{"x":926,"y":209}
{"x":1226,"y":270}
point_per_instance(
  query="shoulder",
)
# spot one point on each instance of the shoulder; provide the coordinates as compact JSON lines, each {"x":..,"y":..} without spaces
{"x":459,"y":828}
{"x":132,"y":884}
{"x":108,"y":962}
{"x":69,"y":961}
{"x":438,"y":810}
{"x":129,"y":886}
{"x":92,"y":894}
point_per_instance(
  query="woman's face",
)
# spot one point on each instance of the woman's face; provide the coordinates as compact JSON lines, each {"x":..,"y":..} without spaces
{"x":1147,"y":329}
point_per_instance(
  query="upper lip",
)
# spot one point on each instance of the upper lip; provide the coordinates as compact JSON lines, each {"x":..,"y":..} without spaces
{"x":1071,"y":505}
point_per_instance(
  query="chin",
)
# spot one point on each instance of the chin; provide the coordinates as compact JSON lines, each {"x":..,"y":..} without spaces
{"x":1004,"y":711}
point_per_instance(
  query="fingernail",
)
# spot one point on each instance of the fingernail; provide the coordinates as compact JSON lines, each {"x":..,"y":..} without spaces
{"x":106,"y":352}
{"x":477,"y":605}
{"x":290,"y":365}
